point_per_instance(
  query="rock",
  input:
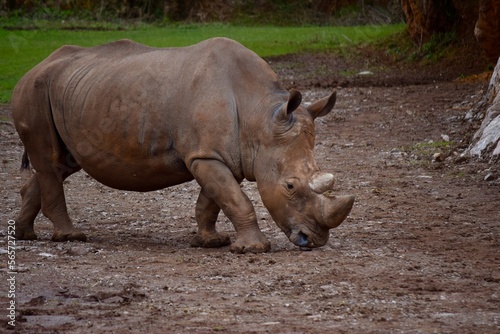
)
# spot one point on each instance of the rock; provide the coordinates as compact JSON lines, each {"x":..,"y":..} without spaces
{"x":486,"y":141}
{"x":487,"y":29}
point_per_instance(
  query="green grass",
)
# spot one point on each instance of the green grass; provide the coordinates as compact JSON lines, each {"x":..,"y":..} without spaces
{"x":20,"y":50}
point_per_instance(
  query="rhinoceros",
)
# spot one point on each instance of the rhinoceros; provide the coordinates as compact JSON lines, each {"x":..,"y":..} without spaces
{"x":141,"y":118}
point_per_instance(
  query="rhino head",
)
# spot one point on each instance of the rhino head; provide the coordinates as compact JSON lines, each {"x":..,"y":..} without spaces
{"x":297,"y":194}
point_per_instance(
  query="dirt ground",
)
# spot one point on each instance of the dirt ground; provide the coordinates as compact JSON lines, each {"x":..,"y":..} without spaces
{"x":419,"y":253}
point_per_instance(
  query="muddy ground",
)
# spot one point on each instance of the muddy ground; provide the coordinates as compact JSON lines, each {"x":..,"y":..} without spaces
{"x":420,"y":252}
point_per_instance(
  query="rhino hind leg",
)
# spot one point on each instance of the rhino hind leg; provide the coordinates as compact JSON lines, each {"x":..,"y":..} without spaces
{"x":50,"y":199}
{"x":54,"y":208}
{"x":207,"y":212}
{"x":44,"y":191}
{"x":31,"y":205}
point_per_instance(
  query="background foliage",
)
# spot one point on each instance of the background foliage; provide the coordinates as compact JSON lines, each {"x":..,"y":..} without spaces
{"x":276,"y":12}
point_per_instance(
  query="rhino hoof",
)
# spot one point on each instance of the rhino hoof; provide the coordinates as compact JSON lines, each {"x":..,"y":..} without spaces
{"x":258,"y":247}
{"x":25,"y":235}
{"x":73,"y":236}
{"x":212,"y":241}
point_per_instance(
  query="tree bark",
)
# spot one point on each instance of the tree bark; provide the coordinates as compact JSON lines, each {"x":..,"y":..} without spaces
{"x":487,"y":30}
{"x":428,"y":17}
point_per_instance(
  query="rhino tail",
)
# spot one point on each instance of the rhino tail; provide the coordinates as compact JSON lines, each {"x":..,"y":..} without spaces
{"x":25,"y":162}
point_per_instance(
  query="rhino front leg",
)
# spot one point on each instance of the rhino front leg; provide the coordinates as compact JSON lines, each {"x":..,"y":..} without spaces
{"x":219,"y":185}
{"x":207,"y":212}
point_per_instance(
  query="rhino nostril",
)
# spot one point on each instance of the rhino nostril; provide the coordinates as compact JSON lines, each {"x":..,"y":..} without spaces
{"x":302,"y":239}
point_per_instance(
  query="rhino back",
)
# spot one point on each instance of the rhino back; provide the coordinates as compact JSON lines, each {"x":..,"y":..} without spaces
{"x":146,"y":113}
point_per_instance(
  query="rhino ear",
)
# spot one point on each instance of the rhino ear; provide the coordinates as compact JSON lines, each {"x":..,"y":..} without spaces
{"x":322,"y":107}
{"x":293,"y":101}
{"x":292,"y":104}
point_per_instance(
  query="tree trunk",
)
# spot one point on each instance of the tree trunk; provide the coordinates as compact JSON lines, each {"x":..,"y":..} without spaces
{"x":428,"y":17}
{"x":487,"y":29}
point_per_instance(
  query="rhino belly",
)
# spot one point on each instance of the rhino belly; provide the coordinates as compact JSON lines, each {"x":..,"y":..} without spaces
{"x":124,"y":157}
{"x":122,"y":173}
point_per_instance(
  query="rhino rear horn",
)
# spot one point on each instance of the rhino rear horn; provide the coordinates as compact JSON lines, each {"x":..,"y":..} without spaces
{"x":321,"y":182}
{"x":322,"y":107}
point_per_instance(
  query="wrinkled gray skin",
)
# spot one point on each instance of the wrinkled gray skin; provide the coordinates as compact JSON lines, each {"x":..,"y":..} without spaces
{"x":141,"y":118}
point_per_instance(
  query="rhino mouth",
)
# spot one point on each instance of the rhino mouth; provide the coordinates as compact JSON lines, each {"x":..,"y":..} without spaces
{"x":303,"y":239}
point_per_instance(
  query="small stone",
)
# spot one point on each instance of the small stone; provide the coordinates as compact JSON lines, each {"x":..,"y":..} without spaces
{"x":438,"y":157}
{"x":46,"y":255}
{"x":462,"y":158}
{"x":445,"y":138}
{"x":114,"y":300}
{"x":489,"y":177}
{"x":78,"y":250}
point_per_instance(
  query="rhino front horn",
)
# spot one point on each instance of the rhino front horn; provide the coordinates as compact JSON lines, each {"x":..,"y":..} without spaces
{"x":321,"y":182}
{"x":335,"y":208}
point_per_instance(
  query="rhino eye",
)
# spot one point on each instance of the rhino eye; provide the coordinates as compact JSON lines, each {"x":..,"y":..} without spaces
{"x":289,"y":186}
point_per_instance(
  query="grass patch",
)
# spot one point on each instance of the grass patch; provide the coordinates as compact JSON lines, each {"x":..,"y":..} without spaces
{"x":23,"y":49}
{"x":426,"y":150}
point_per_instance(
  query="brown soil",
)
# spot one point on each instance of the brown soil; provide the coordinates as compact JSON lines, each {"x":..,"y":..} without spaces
{"x":420,"y":252}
